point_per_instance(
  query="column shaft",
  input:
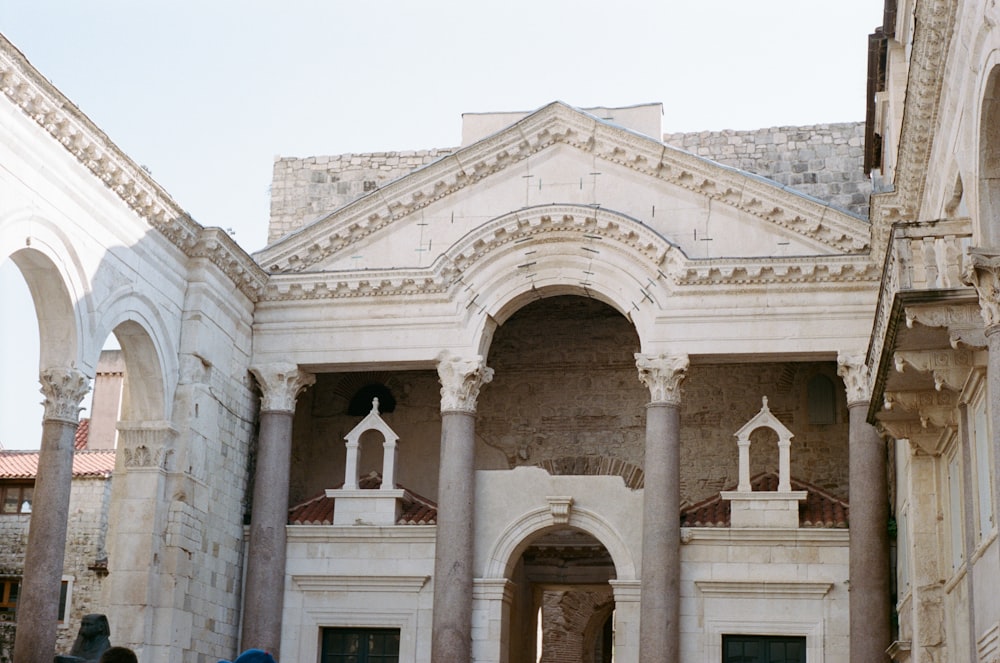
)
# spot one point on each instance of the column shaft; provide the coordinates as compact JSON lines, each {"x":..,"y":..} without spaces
{"x":38,"y":604}
{"x":265,"y":580}
{"x":659,"y":616}
{"x":871,"y":612}
{"x":452,"y":624}
{"x":993,"y":394}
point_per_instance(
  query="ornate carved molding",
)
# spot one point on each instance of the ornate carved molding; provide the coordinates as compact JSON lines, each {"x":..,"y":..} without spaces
{"x":950,"y":368}
{"x":857,"y":377}
{"x":662,"y":374}
{"x":933,"y":23}
{"x":574,"y":223}
{"x":281,"y":384}
{"x":557,"y":123}
{"x":964,"y":321}
{"x":146,"y":445}
{"x":933,"y":414}
{"x":983,"y":273}
{"x":64,"y":389}
{"x":461,"y":379}
{"x":46,"y":106}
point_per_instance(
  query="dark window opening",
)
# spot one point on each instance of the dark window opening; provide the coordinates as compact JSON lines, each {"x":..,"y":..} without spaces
{"x":361,"y":402}
{"x":360,"y":645}
{"x":763,"y":649}
{"x":10,"y":589}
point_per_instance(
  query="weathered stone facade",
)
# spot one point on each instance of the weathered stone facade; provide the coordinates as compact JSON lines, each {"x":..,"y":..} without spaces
{"x":821,"y":160}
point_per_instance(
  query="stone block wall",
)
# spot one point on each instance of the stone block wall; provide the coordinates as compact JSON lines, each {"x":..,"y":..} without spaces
{"x":307,"y":188}
{"x":825,"y":161}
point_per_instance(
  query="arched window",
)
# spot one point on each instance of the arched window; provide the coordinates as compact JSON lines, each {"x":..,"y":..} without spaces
{"x":361,"y":402}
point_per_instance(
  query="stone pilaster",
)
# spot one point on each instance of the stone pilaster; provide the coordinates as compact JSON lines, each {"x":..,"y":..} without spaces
{"x":263,"y":599}
{"x":660,"y":603}
{"x":984,"y":274}
{"x":869,"y":565}
{"x":461,"y":380}
{"x":38,"y":604}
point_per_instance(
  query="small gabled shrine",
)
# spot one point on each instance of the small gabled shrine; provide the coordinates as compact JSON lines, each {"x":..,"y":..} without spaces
{"x":770,"y":509}
{"x":355,"y":505}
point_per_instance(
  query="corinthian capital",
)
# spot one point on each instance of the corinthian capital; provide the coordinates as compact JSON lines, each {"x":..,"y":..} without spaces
{"x":662,"y":374}
{"x":64,"y":389}
{"x":280,"y":384}
{"x":854,"y":371}
{"x":461,"y":378}
{"x":983,"y":273}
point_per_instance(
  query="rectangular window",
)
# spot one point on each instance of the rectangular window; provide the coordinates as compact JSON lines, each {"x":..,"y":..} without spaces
{"x":15,"y":497}
{"x":763,"y":649}
{"x":955,"y":510}
{"x":360,"y":645}
{"x":982,"y":463}
{"x":10,"y":588}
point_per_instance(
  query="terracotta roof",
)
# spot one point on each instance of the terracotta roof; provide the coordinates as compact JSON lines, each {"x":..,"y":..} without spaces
{"x":820,"y":509}
{"x":24,"y":464}
{"x":82,"y":434}
{"x":318,"y":510}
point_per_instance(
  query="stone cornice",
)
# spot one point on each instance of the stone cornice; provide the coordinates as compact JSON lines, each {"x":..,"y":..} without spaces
{"x":38,"y":99}
{"x":933,"y":23}
{"x":811,"y":219}
{"x":571,"y":223}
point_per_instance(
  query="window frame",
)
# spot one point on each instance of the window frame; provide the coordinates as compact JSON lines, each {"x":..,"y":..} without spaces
{"x":21,"y":486}
{"x":728,"y":638}
{"x":363,"y":633}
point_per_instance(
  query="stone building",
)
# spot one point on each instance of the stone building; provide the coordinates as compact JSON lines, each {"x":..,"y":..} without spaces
{"x":571,"y":390}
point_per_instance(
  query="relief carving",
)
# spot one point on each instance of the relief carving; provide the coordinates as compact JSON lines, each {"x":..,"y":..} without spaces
{"x":461,"y":379}
{"x":281,"y":384}
{"x":662,"y":374}
{"x":64,"y":389}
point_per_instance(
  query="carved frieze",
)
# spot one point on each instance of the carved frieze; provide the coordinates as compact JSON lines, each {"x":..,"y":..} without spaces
{"x":461,"y":379}
{"x":950,"y":368}
{"x":64,"y":389}
{"x":281,"y":384}
{"x":662,"y":374}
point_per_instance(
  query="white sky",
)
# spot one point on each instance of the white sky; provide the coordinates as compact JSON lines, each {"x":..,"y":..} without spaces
{"x":206,"y":94}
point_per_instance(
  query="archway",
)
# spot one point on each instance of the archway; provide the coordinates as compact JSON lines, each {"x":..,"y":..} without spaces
{"x":989,"y":161}
{"x":563,"y":608}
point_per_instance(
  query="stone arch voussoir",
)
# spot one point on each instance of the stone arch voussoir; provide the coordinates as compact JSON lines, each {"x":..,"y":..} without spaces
{"x":516,"y":537}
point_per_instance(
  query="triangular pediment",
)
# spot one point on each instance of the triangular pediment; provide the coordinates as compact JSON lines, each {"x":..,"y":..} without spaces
{"x":561,"y":156}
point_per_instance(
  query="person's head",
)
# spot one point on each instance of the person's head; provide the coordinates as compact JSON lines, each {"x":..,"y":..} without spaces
{"x":253,"y":656}
{"x":118,"y":655}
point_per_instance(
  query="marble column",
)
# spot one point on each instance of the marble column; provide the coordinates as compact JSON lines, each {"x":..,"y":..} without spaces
{"x":660,"y":602}
{"x":38,"y":603}
{"x":451,"y":637}
{"x":869,"y":566}
{"x":264,"y":592}
{"x":984,"y":274}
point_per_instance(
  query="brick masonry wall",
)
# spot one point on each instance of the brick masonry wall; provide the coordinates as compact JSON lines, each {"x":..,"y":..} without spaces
{"x":821,"y":160}
{"x":304,"y":189}
{"x":566,"y":614}
{"x":566,"y":386}
{"x":825,"y":161}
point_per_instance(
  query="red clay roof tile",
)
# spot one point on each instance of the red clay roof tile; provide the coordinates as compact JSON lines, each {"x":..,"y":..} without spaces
{"x":318,"y":510}
{"x":24,"y":464}
{"x":820,"y":509}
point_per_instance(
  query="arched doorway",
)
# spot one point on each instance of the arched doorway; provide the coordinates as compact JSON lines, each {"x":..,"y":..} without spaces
{"x":564,"y":606}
